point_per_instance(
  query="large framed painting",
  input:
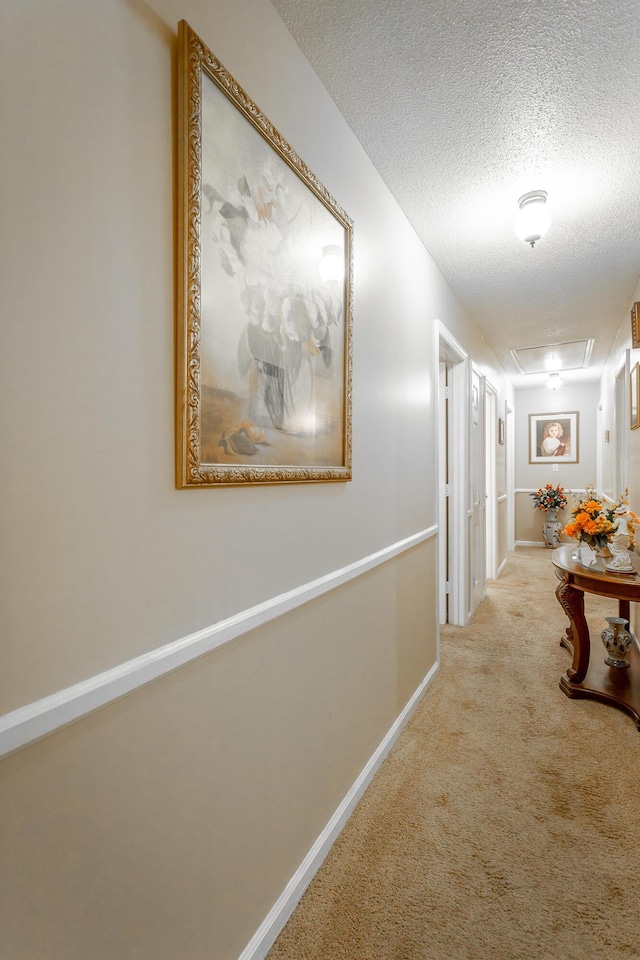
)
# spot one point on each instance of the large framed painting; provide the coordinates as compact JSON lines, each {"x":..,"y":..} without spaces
{"x":635,"y":325}
{"x":553,"y":437}
{"x":264,"y":306}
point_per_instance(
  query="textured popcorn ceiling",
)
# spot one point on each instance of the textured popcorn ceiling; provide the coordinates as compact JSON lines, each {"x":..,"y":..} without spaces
{"x":463,"y":106}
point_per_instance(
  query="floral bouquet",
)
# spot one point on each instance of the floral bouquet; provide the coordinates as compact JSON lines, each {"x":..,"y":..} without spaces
{"x":549,"y":498}
{"x":594,"y":521}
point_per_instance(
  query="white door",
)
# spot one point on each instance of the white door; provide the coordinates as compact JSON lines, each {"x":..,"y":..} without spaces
{"x":599,"y":448}
{"x":453,"y":476}
{"x":443,"y":491}
{"x":491,"y":439}
{"x":477,"y":538}
{"x":621,"y":419}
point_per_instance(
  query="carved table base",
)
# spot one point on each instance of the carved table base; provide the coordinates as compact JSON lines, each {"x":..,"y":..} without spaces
{"x":590,"y":677}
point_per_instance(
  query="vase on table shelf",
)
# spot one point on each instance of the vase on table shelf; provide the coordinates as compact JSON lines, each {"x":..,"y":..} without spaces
{"x":551,"y":529}
{"x":588,"y":553}
{"x":617,"y":641}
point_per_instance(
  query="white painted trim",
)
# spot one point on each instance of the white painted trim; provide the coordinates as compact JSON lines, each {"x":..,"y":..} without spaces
{"x":510,"y":451}
{"x":570,"y":490}
{"x":443,"y":333}
{"x":265,"y":936}
{"x":457,"y":358}
{"x":502,"y":498}
{"x":36,"y":720}
{"x":530,"y":543}
{"x":501,"y":567}
{"x":491,"y":499}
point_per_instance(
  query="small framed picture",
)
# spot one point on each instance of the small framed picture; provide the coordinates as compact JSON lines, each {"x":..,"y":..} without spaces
{"x":500,"y":430}
{"x":634,"y":384}
{"x":553,"y":437}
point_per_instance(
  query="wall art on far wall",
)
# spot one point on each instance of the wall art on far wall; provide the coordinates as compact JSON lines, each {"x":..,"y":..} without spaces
{"x":264,"y":341}
{"x":553,"y":437}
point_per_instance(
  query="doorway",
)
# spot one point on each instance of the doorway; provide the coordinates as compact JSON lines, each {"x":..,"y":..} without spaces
{"x":453,"y":479}
{"x":478,"y":468}
{"x":620,"y":433}
{"x":491,"y":440}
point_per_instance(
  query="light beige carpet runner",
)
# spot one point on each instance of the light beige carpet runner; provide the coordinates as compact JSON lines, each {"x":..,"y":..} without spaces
{"x":505,"y":824}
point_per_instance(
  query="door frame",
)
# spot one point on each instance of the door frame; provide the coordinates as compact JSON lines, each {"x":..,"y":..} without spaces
{"x":491,"y":488}
{"x":620,"y":428}
{"x":477,"y":513}
{"x":452,"y":535}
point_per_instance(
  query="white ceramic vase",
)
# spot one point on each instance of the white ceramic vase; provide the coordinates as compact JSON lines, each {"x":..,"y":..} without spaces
{"x":617,"y":641}
{"x":551,"y":529}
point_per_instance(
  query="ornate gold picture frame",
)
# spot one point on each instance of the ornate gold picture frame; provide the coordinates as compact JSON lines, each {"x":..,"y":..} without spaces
{"x":264,"y":312}
{"x":635,"y":321}
{"x":634,"y":397}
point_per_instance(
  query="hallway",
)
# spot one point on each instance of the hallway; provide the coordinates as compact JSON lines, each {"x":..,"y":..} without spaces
{"x":501,"y":824}
{"x":198,"y":685}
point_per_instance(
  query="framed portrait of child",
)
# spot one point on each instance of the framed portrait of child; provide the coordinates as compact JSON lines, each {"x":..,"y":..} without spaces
{"x":553,"y":437}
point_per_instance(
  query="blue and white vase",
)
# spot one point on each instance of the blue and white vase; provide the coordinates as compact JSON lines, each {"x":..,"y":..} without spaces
{"x":551,"y":529}
{"x":617,"y":641}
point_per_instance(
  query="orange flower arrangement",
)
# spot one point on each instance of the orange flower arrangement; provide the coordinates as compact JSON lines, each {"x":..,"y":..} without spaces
{"x":595,"y":522}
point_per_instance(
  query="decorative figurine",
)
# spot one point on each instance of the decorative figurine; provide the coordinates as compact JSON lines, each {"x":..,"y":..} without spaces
{"x":619,"y":543}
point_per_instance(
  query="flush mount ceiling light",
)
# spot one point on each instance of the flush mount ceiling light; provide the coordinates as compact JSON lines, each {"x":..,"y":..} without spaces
{"x":533,"y":218}
{"x":554,"y":380}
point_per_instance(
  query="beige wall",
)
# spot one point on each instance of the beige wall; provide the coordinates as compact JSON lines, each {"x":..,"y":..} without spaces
{"x":529,"y":520}
{"x":622,"y":354}
{"x":582,"y":398}
{"x":168,"y":823}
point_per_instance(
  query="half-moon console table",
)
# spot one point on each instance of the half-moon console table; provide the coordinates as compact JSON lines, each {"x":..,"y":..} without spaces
{"x":590,"y":677}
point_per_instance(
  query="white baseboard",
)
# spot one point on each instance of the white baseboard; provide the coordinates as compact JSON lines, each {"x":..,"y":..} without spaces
{"x":265,"y":936}
{"x":529,"y":543}
{"x":502,"y":566}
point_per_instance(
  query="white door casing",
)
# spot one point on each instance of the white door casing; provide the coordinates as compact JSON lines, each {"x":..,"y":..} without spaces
{"x":477,"y":530}
{"x":491,"y":440}
{"x":454,"y":540}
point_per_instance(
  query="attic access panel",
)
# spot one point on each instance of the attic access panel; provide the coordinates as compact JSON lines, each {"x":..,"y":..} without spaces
{"x":570,"y":355}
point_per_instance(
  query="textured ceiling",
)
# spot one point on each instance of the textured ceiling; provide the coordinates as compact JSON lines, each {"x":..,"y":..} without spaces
{"x":463,"y":106}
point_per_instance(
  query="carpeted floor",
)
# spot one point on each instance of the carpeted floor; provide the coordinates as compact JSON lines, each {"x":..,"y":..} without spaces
{"x":505,"y":823}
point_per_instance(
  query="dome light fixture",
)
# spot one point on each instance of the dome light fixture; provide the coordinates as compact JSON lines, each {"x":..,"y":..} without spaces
{"x":554,"y":380}
{"x":533,"y":218}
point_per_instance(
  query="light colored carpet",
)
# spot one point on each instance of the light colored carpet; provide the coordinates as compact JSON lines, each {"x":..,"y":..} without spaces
{"x":505,"y":823}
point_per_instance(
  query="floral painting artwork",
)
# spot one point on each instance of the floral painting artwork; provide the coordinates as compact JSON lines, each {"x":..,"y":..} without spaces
{"x":267,"y":342}
{"x":553,"y":437}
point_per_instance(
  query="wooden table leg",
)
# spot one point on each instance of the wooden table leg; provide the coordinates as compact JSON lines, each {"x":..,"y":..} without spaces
{"x":572,"y":602}
{"x":623,"y":611}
